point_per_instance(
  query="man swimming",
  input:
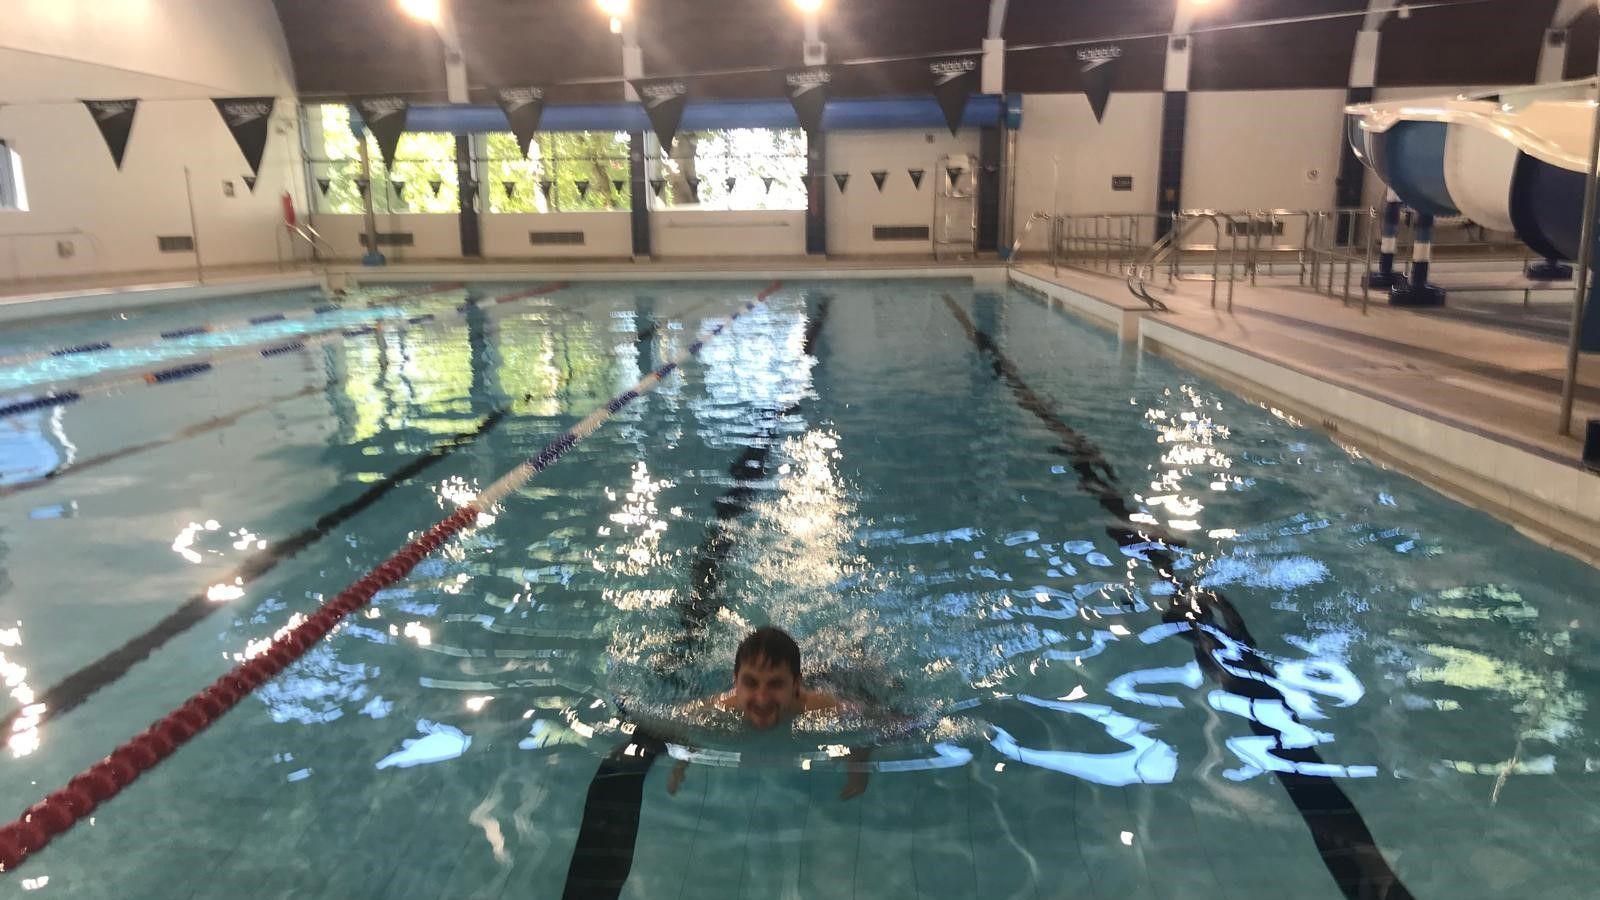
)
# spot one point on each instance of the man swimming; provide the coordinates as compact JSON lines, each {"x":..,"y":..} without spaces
{"x":768,"y":690}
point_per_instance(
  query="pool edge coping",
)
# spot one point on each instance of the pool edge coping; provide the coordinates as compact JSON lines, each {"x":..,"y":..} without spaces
{"x":1457,"y":460}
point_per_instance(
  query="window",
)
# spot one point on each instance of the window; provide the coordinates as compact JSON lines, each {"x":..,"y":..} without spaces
{"x":424,"y":177}
{"x":13,"y":195}
{"x":563,"y":172}
{"x":739,"y":168}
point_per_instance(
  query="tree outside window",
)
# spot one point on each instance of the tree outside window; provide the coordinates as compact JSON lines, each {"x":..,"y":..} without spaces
{"x":734,"y":169}
{"x":421,"y":160}
{"x":584,"y":170}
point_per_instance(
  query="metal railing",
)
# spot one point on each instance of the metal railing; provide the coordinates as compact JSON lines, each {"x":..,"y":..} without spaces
{"x":1330,"y":251}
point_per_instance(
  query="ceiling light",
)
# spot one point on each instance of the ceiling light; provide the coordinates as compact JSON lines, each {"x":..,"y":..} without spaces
{"x":616,"y":9}
{"x":425,"y":10}
{"x":808,"y":6}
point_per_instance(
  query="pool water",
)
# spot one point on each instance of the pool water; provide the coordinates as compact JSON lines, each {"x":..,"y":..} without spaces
{"x":1123,"y":633}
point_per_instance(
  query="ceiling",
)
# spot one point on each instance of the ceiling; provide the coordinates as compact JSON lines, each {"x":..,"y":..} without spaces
{"x":348,"y":47}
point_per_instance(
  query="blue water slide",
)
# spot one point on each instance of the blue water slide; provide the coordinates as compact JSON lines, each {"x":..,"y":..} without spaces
{"x":1547,"y":207}
{"x":1409,"y":157}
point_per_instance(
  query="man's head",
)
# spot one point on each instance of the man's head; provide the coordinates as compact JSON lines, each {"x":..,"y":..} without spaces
{"x":766,"y":676}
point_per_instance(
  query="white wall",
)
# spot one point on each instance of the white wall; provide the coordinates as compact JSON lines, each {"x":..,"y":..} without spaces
{"x":728,"y":233}
{"x":175,"y":55}
{"x":435,"y":235}
{"x":1066,"y":160}
{"x":606,"y":234}
{"x":852,"y":214}
{"x":1263,"y":150}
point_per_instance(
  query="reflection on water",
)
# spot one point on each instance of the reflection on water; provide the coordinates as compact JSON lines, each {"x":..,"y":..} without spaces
{"x":1269,"y":608}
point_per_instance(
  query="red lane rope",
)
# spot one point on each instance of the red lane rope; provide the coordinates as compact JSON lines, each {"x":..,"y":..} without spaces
{"x":536,"y":292}
{"x":63,"y":808}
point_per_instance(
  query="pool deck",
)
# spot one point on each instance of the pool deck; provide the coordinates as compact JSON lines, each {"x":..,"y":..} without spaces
{"x":1469,"y":408}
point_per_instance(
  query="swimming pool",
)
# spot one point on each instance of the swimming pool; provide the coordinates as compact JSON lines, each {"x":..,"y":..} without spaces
{"x":1157,"y":641}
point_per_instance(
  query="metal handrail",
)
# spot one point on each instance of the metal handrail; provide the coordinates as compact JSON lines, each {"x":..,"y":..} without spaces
{"x":312,"y":237}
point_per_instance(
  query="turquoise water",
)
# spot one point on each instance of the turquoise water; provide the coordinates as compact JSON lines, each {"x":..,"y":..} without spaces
{"x":913,"y":512}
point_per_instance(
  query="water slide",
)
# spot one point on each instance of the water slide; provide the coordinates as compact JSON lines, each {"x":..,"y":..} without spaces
{"x":1514,"y":160}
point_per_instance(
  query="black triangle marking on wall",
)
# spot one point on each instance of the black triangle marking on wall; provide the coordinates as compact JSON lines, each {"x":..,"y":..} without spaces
{"x":545,"y":186}
{"x":916,"y":177}
{"x":694,"y":189}
{"x":323,"y":184}
{"x":768,"y":180}
{"x":841,"y":179}
{"x":617,"y":184}
{"x":729,"y":182}
{"x":954,"y":173}
{"x":879,"y":176}
{"x":583,"y":188}
{"x":656,"y":184}
{"x":249,"y":182}
{"x":434,"y":185}
{"x":363,"y":185}
{"x":399,"y":186}
{"x":511,"y":188}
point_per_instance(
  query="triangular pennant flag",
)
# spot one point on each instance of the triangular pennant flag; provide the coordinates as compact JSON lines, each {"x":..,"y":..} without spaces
{"x":523,"y":107}
{"x":878,"y":178}
{"x":249,"y":182}
{"x":545,"y":185}
{"x":841,"y":179}
{"x":114,"y":118}
{"x":807,"y":90}
{"x":434,"y":184}
{"x":656,"y":184}
{"x":247,"y":119}
{"x":954,"y":172}
{"x":916,"y":177}
{"x":1099,"y":74}
{"x":663,"y":100}
{"x":398,"y":186}
{"x":617,"y":184}
{"x":954,"y":80}
{"x":323,"y":184}
{"x":768,"y":180}
{"x":583,"y":189}
{"x":363,"y":184}
{"x":511,"y":188}
{"x":729,"y":182}
{"x":385,"y":117}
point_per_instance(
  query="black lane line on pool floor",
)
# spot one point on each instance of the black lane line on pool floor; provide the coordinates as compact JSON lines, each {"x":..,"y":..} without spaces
{"x":75,"y":689}
{"x":602,"y":858}
{"x":1343,"y":839}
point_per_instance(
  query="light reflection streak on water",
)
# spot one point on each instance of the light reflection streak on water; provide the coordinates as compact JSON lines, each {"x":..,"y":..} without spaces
{"x":24,"y":738}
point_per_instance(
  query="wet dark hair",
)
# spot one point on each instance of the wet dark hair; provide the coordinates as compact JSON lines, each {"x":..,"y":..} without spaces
{"x":772,"y":645}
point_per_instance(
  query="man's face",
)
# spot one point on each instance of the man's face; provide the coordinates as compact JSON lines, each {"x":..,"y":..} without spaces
{"x":764,"y":691}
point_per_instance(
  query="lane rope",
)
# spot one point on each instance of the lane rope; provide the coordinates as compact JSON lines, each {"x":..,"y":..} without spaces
{"x":64,"y":807}
{"x":112,"y":380}
{"x":220,"y":327}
